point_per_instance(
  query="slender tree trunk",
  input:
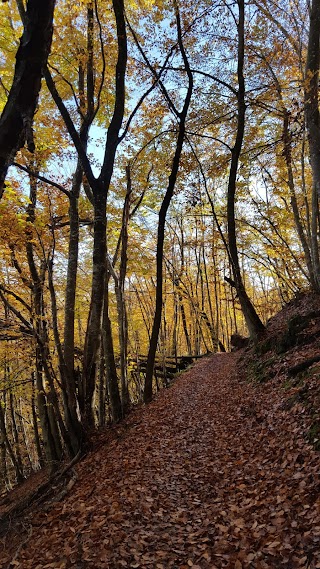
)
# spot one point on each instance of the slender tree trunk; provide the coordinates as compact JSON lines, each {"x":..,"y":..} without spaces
{"x":185,"y":325}
{"x":24,"y":433}
{"x":67,"y":356}
{"x":253,"y":321}
{"x":100,"y":190}
{"x":287,"y":152}
{"x":35,"y":422}
{"x":50,"y":430}
{"x":304,"y":187}
{"x":215,"y":337}
{"x":4,"y":437}
{"x":294,"y":203}
{"x":111,"y":371}
{"x":3,"y":461}
{"x":51,"y":453}
{"x":312,"y":117}
{"x":15,"y":433}
{"x":174,"y":341}
{"x":122,"y":310}
{"x":95,"y":314}
{"x":314,"y":235}
{"x":312,"y":92}
{"x":162,"y":219}
{"x":102,"y":387}
{"x":123,"y":343}
{"x":86,"y":105}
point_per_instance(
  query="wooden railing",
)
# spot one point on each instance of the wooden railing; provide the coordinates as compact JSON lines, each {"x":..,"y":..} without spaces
{"x":165,"y":367}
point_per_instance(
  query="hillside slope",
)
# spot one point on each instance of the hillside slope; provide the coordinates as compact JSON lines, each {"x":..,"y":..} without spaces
{"x":288,"y":358}
{"x":215,"y":473}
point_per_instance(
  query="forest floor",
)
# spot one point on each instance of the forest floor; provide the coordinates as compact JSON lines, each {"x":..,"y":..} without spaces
{"x":217,"y":472}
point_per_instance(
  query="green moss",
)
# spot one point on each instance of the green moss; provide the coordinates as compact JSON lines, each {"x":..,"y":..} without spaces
{"x":265,"y":346}
{"x":259,"y":371}
{"x":260,"y":374}
{"x":314,"y":434}
{"x":289,"y":337}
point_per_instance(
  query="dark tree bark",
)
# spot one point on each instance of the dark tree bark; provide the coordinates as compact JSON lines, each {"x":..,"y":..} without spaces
{"x":67,"y":355}
{"x":253,"y":321}
{"x":48,"y":404}
{"x":111,"y":370}
{"x":15,"y":433}
{"x":86,"y":106}
{"x":182,"y":116}
{"x":312,"y":116}
{"x":4,"y":440}
{"x":312,"y":92}
{"x":184,"y":324}
{"x":17,"y":117}
{"x":119,"y":282}
{"x":99,"y":188}
{"x":35,"y":422}
{"x":100,"y":191}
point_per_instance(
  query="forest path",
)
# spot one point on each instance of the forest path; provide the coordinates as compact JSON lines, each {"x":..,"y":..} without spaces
{"x":214,"y":473}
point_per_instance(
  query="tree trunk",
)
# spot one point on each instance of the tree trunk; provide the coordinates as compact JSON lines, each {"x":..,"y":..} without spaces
{"x":15,"y":433}
{"x":5,"y":439}
{"x":100,"y":190}
{"x":35,"y":422}
{"x":184,"y":324}
{"x":111,"y":371}
{"x":95,"y":313}
{"x":294,"y":203}
{"x":314,"y":235}
{"x":102,"y":387}
{"x":86,"y":105}
{"x":253,"y":321}
{"x":312,"y":117}
{"x":312,"y":93}
{"x":162,"y":220}
{"x":122,"y":310}
{"x":287,"y":152}
{"x":17,"y":116}
{"x":50,"y":450}
{"x":67,"y":357}
{"x":48,"y":419}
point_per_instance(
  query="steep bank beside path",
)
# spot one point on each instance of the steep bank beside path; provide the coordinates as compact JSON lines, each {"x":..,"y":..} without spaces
{"x":215,"y":473}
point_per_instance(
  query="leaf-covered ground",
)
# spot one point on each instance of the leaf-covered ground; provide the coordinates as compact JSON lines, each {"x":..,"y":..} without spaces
{"x":214,"y":473}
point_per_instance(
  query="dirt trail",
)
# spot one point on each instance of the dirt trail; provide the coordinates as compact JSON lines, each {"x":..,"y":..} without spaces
{"x":214,"y":473}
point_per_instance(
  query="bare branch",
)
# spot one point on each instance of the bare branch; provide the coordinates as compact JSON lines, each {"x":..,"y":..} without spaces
{"x":42,"y":178}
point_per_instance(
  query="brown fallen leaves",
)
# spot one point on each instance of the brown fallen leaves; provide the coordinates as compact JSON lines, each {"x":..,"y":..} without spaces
{"x":214,"y":474}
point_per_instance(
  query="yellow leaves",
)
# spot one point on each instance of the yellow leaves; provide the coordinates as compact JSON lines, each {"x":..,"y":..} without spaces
{"x":16,"y":230}
{"x":12,"y":214}
{"x":75,"y":8}
{"x":142,"y":4}
{"x":10,"y":193}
